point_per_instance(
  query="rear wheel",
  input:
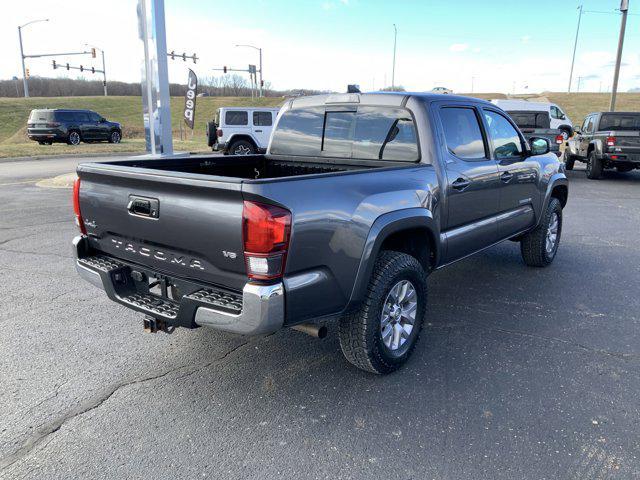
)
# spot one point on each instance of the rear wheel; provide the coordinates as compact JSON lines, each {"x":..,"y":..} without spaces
{"x":73,"y":138}
{"x":539,"y":246}
{"x":242,"y":147}
{"x":382,"y":334}
{"x":594,"y":166}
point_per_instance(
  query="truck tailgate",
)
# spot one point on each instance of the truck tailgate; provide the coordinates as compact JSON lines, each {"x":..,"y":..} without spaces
{"x":124,"y":211}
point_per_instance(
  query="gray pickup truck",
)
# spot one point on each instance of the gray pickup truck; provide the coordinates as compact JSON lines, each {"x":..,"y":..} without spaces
{"x":606,"y":140}
{"x":358,"y":199}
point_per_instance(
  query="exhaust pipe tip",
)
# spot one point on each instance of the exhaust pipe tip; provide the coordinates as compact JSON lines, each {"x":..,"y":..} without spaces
{"x":317,"y":331}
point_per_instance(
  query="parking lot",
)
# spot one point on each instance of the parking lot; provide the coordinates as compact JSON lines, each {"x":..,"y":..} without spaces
{"x":520,"y":373}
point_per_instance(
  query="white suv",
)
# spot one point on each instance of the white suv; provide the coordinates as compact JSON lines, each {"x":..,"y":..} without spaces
{"x":241,"y":130}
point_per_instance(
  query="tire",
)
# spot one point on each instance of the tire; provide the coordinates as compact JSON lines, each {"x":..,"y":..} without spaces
{"x":594,"y":166}
{"x":74,"y":138}
{"x":242,"y":147}
{"x":42,"y":143}
{"x":211,"y":132}
{"x":115,"y":137}
{"x":361,"y":332}
{"x":566,"y":132}
{"x":535,"y":245}
{"x":569,"y":161}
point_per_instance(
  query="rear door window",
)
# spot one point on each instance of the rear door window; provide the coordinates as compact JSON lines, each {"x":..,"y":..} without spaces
{"x":262,"y":119}
{"x":505,"y":138}
{"x":236,"y":117}
{"x":462,"y":132}
{"x":82,"y":117}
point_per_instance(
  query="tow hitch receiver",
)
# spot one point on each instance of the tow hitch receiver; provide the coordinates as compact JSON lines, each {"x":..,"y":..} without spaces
{"x":154,"y":325}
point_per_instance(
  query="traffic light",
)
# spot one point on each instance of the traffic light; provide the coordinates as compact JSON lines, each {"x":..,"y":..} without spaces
{"x":194,"y":58}
{"x":26,"y":72}
{"x":93,"y":52}
{"x":93,"y":70}
{"x":81,"y":68}
{"x":262,"y":83}
{"x":184,"y":57}
{"x":173,"y":55}
{"x":224,"y":69}
{"x":54,"y":65}
{"x":67,"y":66}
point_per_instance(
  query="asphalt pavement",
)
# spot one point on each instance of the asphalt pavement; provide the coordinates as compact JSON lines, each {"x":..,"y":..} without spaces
{"x":521,"y":373}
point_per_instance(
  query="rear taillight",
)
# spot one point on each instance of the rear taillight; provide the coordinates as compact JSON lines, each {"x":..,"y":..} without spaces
{"x":265,"y":232}
{"x":611,"y":141}
{"x":559,"y":139}
{"x":76,"y":206}
{"x":219,"y":132}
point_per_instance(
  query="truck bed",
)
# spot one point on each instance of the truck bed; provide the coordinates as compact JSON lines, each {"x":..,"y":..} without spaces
{"x":250,"y":167}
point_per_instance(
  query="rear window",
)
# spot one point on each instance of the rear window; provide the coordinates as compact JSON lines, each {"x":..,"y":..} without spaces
{"x":531,"y":119}
{"x":236,"y":117}
{"x":40,"y":116}
{"x":262,"y":119}
{"x":617,"y":121}
{"x":370,"y":133}
{"x":72,"y":117}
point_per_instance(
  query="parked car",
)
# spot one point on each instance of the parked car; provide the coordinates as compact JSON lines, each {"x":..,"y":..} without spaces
{"x":47,"y":126}
{"x":536,"y":123}
{"x":443,"y":90}
{"x":606,"y":140}
{"x":358,"y":199}
{"x":557,"y":118}
{"x":240,"y":130}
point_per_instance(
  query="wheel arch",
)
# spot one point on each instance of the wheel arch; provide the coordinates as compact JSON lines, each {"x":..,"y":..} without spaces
{"x":242,"y":136}
{"x":404,"y":231}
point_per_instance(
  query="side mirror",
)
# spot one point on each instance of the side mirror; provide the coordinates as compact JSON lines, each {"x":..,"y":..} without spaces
{"x":539,"y":145}
{"x":103,"y":120}
{"x":577,"y":131}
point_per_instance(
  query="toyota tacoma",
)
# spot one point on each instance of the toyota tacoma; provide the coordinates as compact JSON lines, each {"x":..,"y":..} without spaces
{"x":358,"y":198}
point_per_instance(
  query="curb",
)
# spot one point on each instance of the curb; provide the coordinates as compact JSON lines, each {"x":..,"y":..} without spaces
{"x":71,"y":155}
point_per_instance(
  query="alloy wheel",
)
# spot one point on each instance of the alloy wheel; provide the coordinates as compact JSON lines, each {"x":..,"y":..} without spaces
{"x":398,"y":315}
{"x":552,"y":233}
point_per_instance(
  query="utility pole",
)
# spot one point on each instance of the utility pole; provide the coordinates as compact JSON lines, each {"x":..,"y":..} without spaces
{"x":260,"y":53}
{"x":472,"y":81}
{"x":575,"y":46}
{"x":22,"y":56}
{"x":624,"y":7}
{"x":393,"y":68}
{"x":104,"y":70}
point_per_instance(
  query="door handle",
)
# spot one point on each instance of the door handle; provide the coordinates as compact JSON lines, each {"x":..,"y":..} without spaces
{"x":460,"y":184}
{"x":258,"y":131}
{"x":506,"y":177}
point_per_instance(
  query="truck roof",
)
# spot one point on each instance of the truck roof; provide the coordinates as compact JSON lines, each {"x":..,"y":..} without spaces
{"x":375,"y":98}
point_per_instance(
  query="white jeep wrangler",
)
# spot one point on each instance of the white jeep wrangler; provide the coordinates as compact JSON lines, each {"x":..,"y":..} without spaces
{"x":241,"y":130}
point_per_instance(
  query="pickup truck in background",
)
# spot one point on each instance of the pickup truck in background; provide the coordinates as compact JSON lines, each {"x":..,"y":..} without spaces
{"x":606,"y":140}
{"x":358,"y":199}
{"x":241,"y":130}
{"x":533,"y":123}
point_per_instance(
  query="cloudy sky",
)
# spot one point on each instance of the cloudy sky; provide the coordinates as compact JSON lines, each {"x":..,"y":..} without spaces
{"x":326,"y":44}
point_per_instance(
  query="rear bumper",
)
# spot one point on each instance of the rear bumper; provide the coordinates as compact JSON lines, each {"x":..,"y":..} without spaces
{"x":259,"y":309}
{"x":625,"y":158}
{"x":46,"y":136}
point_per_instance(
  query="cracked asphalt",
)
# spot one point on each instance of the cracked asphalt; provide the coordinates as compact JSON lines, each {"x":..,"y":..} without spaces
{"x":520,"y":373}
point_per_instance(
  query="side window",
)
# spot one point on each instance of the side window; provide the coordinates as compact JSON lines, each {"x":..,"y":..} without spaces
{"x":505,"y":138}
{"x":385,"y":134}
{"x":299,"y":132}
{"x":262,"y":119}
{"x":584,"y":124}
{"x":462,"y":132}
{"x":554,"y":112}
{"x":236,"y":117}
{"x":589,"y":128}
{"x":94,"y":116}
{"x":82,"y":117}
{"x":338,"y":133}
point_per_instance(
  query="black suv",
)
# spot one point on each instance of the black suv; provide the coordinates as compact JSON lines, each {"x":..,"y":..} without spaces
{"x":71,"y":126}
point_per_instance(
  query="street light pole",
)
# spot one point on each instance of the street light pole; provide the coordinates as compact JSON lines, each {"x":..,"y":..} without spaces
{"x":260,"y":52}
{"x":104,"y":70}
{"x":575,"y":46}
{"x":624,"y":7}
{"x":22,"y":57}
{"x":393,"y":68}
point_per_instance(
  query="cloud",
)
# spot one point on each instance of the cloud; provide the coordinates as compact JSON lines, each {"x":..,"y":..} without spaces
{"x":476,"y":50}
{"x":525,"y":39}
{"x":458,"y":47}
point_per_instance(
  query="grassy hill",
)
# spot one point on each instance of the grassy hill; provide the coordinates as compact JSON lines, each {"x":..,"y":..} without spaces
{"x":128,"y":111}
